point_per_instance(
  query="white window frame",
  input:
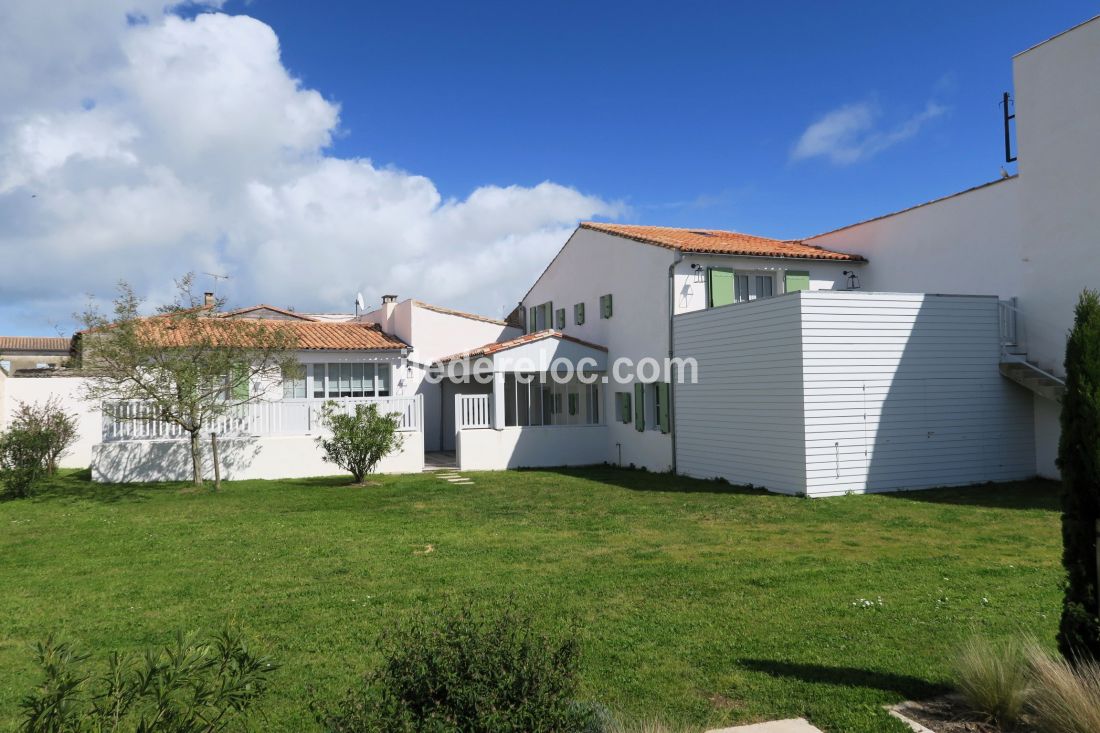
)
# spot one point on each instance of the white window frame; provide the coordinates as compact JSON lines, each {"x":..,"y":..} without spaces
{"x":750,"y":277}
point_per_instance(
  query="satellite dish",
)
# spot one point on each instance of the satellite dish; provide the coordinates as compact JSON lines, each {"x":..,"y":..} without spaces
{"x":359,"y":303}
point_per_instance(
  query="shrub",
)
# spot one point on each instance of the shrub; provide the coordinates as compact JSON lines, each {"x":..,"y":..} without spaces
{"x":359,"y":440}
{"x":1079,"y":461}
{"x":1066,"y":696}
{"x":454,"y":672}
{"x":188,"y":686}
{"x":993,"y":679}
{"x":57,"y":427}
{"x":22,"y":460}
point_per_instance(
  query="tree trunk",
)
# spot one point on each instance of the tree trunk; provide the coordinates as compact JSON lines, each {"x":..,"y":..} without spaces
{"x":196,"y":459}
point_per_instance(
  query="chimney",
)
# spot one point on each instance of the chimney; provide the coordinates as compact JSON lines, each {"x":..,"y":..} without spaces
{"x":389,"y":302}
{"x":208,"y":300}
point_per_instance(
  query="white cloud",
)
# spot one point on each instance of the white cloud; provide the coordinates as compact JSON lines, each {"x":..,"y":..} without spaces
{"x":137,"y":145}
{"x":853,"y":132}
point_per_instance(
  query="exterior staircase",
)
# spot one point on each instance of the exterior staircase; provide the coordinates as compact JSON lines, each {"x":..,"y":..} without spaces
{"x":1014,"y":363}
{"x":1028,"y":375}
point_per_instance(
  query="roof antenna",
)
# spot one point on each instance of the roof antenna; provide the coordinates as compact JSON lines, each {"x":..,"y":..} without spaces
{"x":1009,"y":116}
{"x":216,"y":277}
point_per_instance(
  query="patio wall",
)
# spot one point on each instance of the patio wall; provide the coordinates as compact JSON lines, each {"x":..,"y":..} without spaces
{"x":67,"y":390}
{"x":275,"y":457}
{"x":486,"y":449}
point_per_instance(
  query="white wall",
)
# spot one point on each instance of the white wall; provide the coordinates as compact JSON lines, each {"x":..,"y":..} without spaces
{"x":592,"y":264}
{"x":743,"y":419}
{"x":826,"y":393}
{"x":487,"y":449}
{"x":1057,"y":122}
{"x":68,"y":391}
{"x":433,"y":335}
{"x":280,"y":457}
{"x":691,"y":294}
{"x":903,"y":391}
{"x":969,"y":243}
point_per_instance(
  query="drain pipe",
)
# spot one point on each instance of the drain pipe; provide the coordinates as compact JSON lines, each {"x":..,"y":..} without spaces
{"x":671,"y":381}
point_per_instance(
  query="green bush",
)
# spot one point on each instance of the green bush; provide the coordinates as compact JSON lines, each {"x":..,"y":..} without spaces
{"x":1065,"y":696}
{"x":993,"y":679}
{"x":50,"y":420}
{"x":358,"y":441}
{"x":456,"y":672}
{"x":1079,"y":461}
{"x":186,"y":687}
{"x":22,"y":460}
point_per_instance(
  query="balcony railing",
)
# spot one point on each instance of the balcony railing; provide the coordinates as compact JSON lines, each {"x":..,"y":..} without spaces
{"x":139,"y":421}
{"x":1009,"y":317}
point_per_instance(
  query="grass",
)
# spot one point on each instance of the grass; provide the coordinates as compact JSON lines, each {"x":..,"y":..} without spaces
{"x":699,"y":604}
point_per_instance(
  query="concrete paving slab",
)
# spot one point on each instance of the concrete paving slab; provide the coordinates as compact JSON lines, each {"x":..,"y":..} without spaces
{"x":794,"y":725}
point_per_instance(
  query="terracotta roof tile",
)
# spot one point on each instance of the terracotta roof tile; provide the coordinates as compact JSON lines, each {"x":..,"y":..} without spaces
{"x":33,"y":344}
{"x":527,"y":338}
{"x":717,"y":241}
{"x":308,"y":335}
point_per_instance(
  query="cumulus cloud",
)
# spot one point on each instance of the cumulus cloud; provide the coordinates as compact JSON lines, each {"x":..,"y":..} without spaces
{"x":137,"y":144}
{"x":854,"y":132}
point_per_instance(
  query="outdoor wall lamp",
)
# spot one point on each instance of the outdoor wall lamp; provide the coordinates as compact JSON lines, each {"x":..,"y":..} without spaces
{"x":853,"y":279}
{"x":700,"y":272}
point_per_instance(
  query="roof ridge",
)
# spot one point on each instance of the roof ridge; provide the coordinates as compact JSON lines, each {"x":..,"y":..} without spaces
{"x":453,"y":312}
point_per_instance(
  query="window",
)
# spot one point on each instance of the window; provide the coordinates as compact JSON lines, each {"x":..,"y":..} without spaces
{"x":532,"y":315}
{"x":559,"y":318}
{"x":578,"y":313}
{"x":348,"y":380}
{"x":574,"y":399}
{"x":658,"y":415}
{"x":752,"y":285}
{"x":294,"y":383}
{"x":605,"y":306}
{"x":639,"y":407}
{"x":592,"y":404}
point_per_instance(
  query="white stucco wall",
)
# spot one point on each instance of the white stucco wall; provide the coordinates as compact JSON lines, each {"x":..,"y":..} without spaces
{"x":487,"y":449}
{"x":240,"y":458}
{"x":68,"y":392}
{"x":433,"y":335}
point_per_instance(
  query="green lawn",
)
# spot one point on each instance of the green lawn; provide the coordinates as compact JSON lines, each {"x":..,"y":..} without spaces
{"x":698,"y":603}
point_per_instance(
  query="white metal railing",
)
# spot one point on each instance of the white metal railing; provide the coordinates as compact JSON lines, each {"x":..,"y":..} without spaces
{"x":1008,"y":315}
{"x":138,"y":420}
{"x":472,"y":411}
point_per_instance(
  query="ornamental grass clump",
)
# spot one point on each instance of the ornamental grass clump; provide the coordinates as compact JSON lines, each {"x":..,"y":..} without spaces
{"x":994,"y":679}
{"x":1065,"y":696}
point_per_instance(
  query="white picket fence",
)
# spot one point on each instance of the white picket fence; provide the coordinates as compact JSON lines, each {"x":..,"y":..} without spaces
{"x":138,"y":420}
{"x":473,"y":411}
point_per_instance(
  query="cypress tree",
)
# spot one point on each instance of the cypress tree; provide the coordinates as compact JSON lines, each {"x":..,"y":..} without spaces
{"x":1079,"y":461}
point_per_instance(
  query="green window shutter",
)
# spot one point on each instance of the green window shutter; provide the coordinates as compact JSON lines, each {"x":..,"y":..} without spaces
{"x":531,"y":314}
{"x":639,"y":407}
{"x":239,"y":390}
{"x":559,"y":318}
{"x":622,"y":403}
{"x":605,"y":306}
{"x":578,"y":313}
{"x":719,"y":287}
{"x":797,"y":280}
{"x":662,"y":399}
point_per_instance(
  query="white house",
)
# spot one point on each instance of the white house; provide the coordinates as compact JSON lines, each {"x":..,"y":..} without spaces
{"x":917,"y":349}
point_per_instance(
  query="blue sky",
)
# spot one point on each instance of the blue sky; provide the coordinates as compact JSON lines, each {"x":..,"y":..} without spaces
{"x":688,"y":112}
{"x":445,"y":150}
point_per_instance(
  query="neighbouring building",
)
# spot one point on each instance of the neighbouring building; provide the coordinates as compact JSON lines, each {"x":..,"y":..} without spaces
{"x":33,"y":352}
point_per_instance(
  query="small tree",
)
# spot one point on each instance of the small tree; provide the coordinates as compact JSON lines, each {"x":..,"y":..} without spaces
{"x":50,"y":420}
{"x":1079,"y":461}
{"x":358,"y":440}
{"x":22,"y":460}
{"x":186,"y":365}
